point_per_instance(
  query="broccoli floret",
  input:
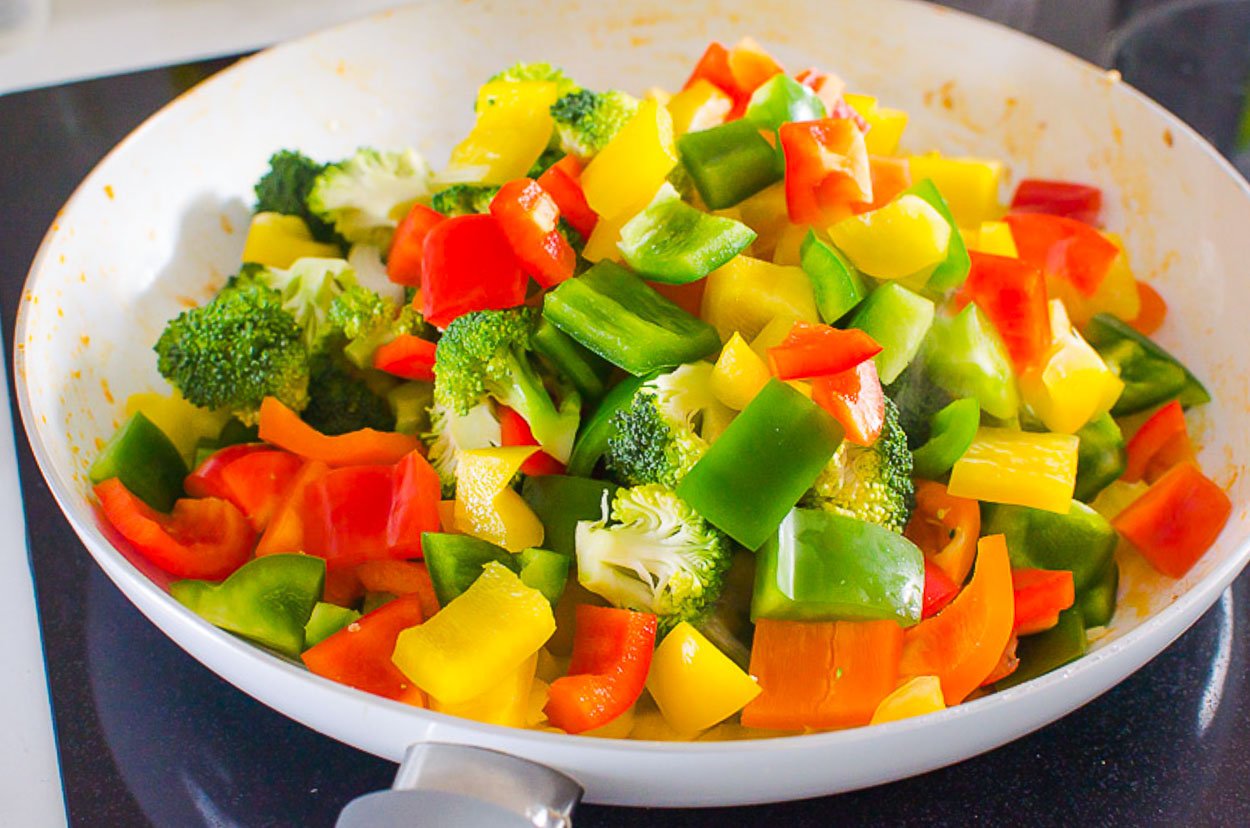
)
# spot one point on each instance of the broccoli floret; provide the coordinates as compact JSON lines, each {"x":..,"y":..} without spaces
{"x":574,"y":238}
{"x":546,"y":161}
{"x":487,"y":353}
{"x":369,"y":321}
{"x":586,"y":121}
{"x":308,"y":290}
{"x":871,"y":483}
{"x":464,"y":199}
{"x":655,"y":554}
{"x":340,"y":401}
{"x":451,"y":433}
{"x":285,"y":188}
{"x":537,"y":72}
{"x":660,"y":436}
{"x":236,"y":350}
{"x":365,"y":196}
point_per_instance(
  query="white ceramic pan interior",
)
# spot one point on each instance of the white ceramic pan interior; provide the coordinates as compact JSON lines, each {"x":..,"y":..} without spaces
{"x":160,"y":224}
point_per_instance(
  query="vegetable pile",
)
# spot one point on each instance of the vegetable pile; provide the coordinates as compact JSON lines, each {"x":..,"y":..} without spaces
{"x":701,"y":415}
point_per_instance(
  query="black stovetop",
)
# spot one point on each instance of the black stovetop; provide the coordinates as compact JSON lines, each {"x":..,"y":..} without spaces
{"x":148,"y":736}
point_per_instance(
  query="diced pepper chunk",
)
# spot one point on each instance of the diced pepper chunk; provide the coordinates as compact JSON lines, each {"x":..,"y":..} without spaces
{"x":486,"y":507}
{"x":359,"y":654}
{"x":915,"y":697}
{"x":1160,"y":443}
{"x":969,"y":185}
{"x":1058,"y":198}
{"x":625,"y":174}
{"x":905,"y":238}
{"x":1177,"y":520}
{"x":826,"y":170}
{"x":747,"y":293}
{"x":145,"y":460}
{"x":1007,"y":466}
{"x":739,"y":374}
{"x":694,"y":684}
{"x":277,"y":240}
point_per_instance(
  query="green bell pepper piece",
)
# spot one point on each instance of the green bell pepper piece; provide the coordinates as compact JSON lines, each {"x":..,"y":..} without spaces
{"x":951,"y":432}
{"x":965,"y":355}
{"x":376,"y":600}
{"x":674,"y":243}
{"x":1097,"y":601}
{"x":455,"y":562}
{"x":325,"y":621}
{"x":756,"y":471}
{"x":782,"y":99}
{"x":898,"y":320}
{"x":1082,"y":541}
{"x":267,"y":600}
{"x":560,"y":501}
{"x":587,"y":371}
{"x":1039,"y":654}
{"x":592,"y":438}
{"x":823,"y":566}
{"x":1151,"y":375}
{"x":836,"y":282}
{"x":622,"y":319}
{"x":730,"y":163}
{"x":145,"y":460}
{"x":952,"y":271}
{"x":1100,"y":457}
{"x":410,"y":402}
{"x":918,"y":399}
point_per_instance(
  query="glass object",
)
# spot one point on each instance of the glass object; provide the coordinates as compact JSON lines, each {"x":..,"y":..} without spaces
{"x":1193,"y":57}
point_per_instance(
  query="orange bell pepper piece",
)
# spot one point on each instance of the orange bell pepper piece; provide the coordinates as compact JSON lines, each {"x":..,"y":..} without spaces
{"x":1176,"y":520}
{"x":890,"y":177}
{"x":855,"y":399}
{"x":285,"y":532}
{"x":821,"y":674}
{"x":1153,"y":310}
{"x":945,"y":528}
{"x":1040,"y":595}
{"x":282,"y":427}
{"x":400,"y":578}
{"x":1065,"y":248}
{"x":964,"y":642}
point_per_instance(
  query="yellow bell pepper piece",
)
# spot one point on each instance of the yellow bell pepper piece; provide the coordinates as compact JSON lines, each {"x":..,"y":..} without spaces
{"x":486,"y":507}
{"x":512,"y":129}
{"x":618,"y":728}
{"x":766,"y":214}
{"x":739,"y":373}
{"x":916,"y":697}
{"x":905,"y":238}
{"x":994,"y":237}
{"x":789,"y":244}
{"x":1117,"y":497}
{"x":1028,"y":469}
{"x":772,"y":335}
{"x":275,"y":240}
{"x":969,"y":185}
{"x":535,"y":707}
{"x":183,"y":423}
{"x":745,"y":294}
{"x":650,"y":724}
{"x":478,"y":640}
{"x":885,"y":125}
{"x":1072,"y":385}
{"x":626,"y":174}
{"x":695,"y":684}
{"x":507,"y":703}
{"x":701,"y":106}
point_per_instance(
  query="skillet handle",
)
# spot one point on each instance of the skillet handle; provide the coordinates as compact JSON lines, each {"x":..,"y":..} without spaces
{"x":441,"y":785}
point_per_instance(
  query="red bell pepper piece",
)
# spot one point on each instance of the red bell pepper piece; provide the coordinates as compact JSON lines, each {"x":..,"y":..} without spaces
{"x":1012,"y":293}
{"x":1063,"y":248}
{"x":737,"y":72}
{"x":1160,"y":443}
{"x":285,"y":532}
{"x":205,"y":480}
{"x":400,"y":578}
{"x":829,"y":89}
{"x":821,"y":674}
{"x":1058,"y":198}
{"x":939,"y":589}
{"x":359,"y":655}
{"x":282,"y":427}
{"x":890,"y":177}
{"x":468,"y":265}
{"x":855,"y":399}
{"x":1176,"y":520}
{"x":612,"y":651}
{"x":348,"y":511}
{"x":813,"y":350}
{"x":826,"y":170}
{"x":562,"y":181}
{"x":529,"y":217}
{"x":1040,"y":595}
{"x":416,"y":491}
{"x":514,"y":431}
{"x":1007,"y":664}
{"x":1153,"y":310}
{"x":407,"y":356}
{"x":258,"y":483}
{"x":202,"y":538}
{"x":403,"y":262}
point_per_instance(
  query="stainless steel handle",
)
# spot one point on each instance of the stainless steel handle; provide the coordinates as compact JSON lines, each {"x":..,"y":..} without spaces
{"x":456,"y":785}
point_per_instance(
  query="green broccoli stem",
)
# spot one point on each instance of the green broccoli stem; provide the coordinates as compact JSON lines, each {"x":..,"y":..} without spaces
{"x":526,"y":395}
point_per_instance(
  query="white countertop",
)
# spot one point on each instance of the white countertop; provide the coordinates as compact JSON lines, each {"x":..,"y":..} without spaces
{"x":90,"y":38}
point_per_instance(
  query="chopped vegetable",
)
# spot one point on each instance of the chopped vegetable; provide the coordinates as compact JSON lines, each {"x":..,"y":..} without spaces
{"x":612,"y":654}
{"x":145,"y":461}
